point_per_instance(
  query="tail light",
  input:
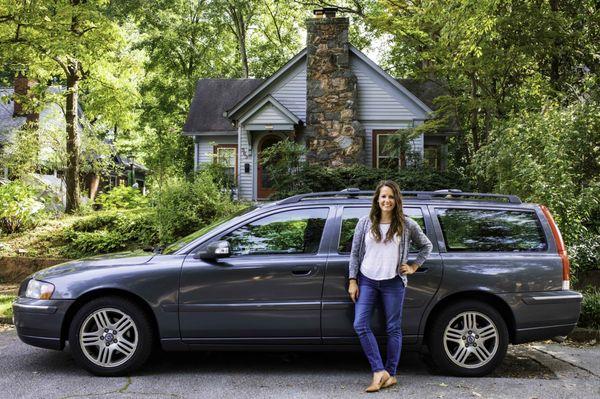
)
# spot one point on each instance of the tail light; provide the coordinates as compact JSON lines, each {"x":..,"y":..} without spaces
{"x":560,"y":246}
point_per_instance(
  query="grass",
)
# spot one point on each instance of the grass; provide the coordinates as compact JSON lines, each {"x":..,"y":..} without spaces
{"x":6,"y":305}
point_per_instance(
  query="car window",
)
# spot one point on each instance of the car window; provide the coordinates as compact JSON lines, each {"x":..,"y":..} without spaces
{"x":485,"y":230}
{"x":290,"y":232}
{"x":350,"y":217}
{"x":176,"y":246}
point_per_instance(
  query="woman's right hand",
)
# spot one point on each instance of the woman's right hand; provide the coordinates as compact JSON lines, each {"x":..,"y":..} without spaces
{"x":353,"y":290}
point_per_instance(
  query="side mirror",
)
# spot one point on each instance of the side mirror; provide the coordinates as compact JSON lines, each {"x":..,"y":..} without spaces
{"x":214,"y":250}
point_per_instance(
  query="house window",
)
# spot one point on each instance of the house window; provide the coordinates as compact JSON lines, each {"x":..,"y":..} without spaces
{"x":226,"y":156}
{"x":432,"y":157}
{"x":382,"y":156}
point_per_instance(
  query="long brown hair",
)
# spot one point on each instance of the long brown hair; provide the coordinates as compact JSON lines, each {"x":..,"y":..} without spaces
{"x":397,"y":225}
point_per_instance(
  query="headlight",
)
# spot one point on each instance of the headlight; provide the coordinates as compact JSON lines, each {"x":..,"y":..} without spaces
{"x":39,"y":290}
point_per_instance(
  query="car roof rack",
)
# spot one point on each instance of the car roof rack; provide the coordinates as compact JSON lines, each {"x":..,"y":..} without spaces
{"x":428,"y":195}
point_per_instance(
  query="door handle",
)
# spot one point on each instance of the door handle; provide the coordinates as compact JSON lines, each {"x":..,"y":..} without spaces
{"x":302,"y":272}
{"x":422,"y":270}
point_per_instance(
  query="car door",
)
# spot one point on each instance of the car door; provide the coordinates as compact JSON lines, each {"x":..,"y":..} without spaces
{"x":338,"y":309}
{"x":268,"y":291}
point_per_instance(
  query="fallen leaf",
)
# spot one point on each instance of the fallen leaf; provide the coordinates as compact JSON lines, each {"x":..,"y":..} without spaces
{"x":443,"y":384}
{"x":476,"y":394}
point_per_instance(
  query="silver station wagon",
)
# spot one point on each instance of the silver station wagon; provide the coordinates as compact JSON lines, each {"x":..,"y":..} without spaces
{"x":275,"y":278}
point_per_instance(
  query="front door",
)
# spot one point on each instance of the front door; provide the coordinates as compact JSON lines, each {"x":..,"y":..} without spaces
{"x":268,"y":291}
{"x":338,"y":310}
{"x":264,"y":183}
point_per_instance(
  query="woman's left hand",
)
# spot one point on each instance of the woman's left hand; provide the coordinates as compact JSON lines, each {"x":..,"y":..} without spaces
{"x":407,"y":269}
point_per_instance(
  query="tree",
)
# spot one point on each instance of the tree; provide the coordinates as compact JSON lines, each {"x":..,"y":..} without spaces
{"x":77,"y":42}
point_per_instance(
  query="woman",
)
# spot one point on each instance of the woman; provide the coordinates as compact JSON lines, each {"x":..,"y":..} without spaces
{"x":378,"y":268}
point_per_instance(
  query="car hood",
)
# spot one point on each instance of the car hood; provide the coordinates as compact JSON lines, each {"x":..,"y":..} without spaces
{"x":120,"y":259}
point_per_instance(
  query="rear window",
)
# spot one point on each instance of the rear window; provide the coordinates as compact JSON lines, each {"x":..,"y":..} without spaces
{"x":478,"y":230}
{"x":350,"y":217}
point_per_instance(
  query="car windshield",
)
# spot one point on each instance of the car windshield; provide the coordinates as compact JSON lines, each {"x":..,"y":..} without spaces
{"x":177,"y":245}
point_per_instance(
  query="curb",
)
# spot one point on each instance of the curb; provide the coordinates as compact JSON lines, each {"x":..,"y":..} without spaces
{"x":6,"y":320}
{"x":580,"y":334}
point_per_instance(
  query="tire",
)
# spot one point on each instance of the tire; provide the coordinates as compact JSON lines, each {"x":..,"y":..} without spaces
{"x":468,"y":338}
{"x":94,"y":344}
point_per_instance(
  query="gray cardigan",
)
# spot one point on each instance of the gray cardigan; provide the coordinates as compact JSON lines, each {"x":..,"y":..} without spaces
{"x":412,"y":232}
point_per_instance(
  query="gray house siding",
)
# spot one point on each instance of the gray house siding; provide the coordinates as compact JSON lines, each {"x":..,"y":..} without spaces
{"x":378,"y":100}
{"x":291,"y":91}
{"x":204,"y":147}
{"x":245,"y":155}
{"x":267,"y":115}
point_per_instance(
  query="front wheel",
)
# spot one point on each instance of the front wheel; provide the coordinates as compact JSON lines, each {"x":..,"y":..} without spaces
{"x":468,"y":338}
{"x":110,"y":336}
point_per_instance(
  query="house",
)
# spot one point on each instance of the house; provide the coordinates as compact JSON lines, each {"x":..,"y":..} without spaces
{"x":330,"y":96}
{"x":50,"y":125}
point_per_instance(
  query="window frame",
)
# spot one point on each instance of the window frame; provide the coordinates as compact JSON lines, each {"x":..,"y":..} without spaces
{"x":218,"y":147}
{"x":375,"y":148}
{"x":322,"y":244}
{"x":442,"y":241}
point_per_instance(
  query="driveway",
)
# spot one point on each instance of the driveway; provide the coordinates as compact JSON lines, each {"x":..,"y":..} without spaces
{"x":539,"y":370}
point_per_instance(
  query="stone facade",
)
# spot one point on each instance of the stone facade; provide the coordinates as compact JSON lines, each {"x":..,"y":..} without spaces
{"x":334,"y":136}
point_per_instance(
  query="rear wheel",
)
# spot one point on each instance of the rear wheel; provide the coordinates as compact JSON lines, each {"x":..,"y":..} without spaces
{"x":468,"y":338}
{"x":110,"y":336}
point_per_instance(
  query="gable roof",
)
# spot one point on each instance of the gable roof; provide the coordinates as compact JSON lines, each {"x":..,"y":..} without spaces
{"x":300,"y":58}
{"x":283,"y":111}
{"x":231,"y":111}
{"x":212,"y":97}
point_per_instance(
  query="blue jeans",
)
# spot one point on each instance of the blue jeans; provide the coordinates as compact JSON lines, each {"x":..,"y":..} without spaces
{"x":392,"y":294}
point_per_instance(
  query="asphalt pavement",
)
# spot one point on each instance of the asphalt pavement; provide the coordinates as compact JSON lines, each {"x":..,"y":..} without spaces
{"x":537,"y":370}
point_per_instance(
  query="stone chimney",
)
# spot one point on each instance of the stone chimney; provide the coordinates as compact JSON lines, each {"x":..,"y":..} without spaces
{"x":23,"y":87}
{"x":334,"y":135}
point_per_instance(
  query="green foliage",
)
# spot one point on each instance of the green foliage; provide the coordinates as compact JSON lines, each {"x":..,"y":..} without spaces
{"x":20,"y":209}
{"x":550,"y":157}
{"x":584,"y":255}
{"x":6,"y":305}
{"x":183,"y":206}
{"x":110,"y":231}
{"x":284,"y":163}
{"x":590,"y":309}
{"x":122,"y":197}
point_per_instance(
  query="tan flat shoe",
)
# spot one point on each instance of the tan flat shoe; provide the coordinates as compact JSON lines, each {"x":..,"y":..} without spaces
{"x":376,"y":386}
{"x":389,"y":382}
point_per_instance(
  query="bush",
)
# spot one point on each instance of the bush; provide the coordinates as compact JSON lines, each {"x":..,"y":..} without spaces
{"x":315,"y":178}
{"x":122,"y":197}
{"x":19,"y":207}
{"x":584,"y":256}
{"x":183,"y":206}
{"x":590,"y":309}
{"x":110,"y":231}
{"x":290,"y":175}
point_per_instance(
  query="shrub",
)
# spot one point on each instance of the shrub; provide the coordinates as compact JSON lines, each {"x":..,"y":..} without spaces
{"x":183,"y":206}
{"x":19,"y":207}
{"x":110,"y":231}
{"x":122,"y":197}
{"x":584,"y":255}
{"x":590,"y":309}
{"x":315,"y":178}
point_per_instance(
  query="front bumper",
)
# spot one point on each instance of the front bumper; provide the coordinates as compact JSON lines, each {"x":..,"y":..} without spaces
{"x":39,"y":322}
{"x":544,"y":315}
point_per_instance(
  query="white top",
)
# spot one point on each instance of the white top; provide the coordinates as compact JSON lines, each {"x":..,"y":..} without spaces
{"x":381,"y":258}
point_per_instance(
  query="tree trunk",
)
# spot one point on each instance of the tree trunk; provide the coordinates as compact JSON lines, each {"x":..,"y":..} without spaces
{"x":73,"y":138}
